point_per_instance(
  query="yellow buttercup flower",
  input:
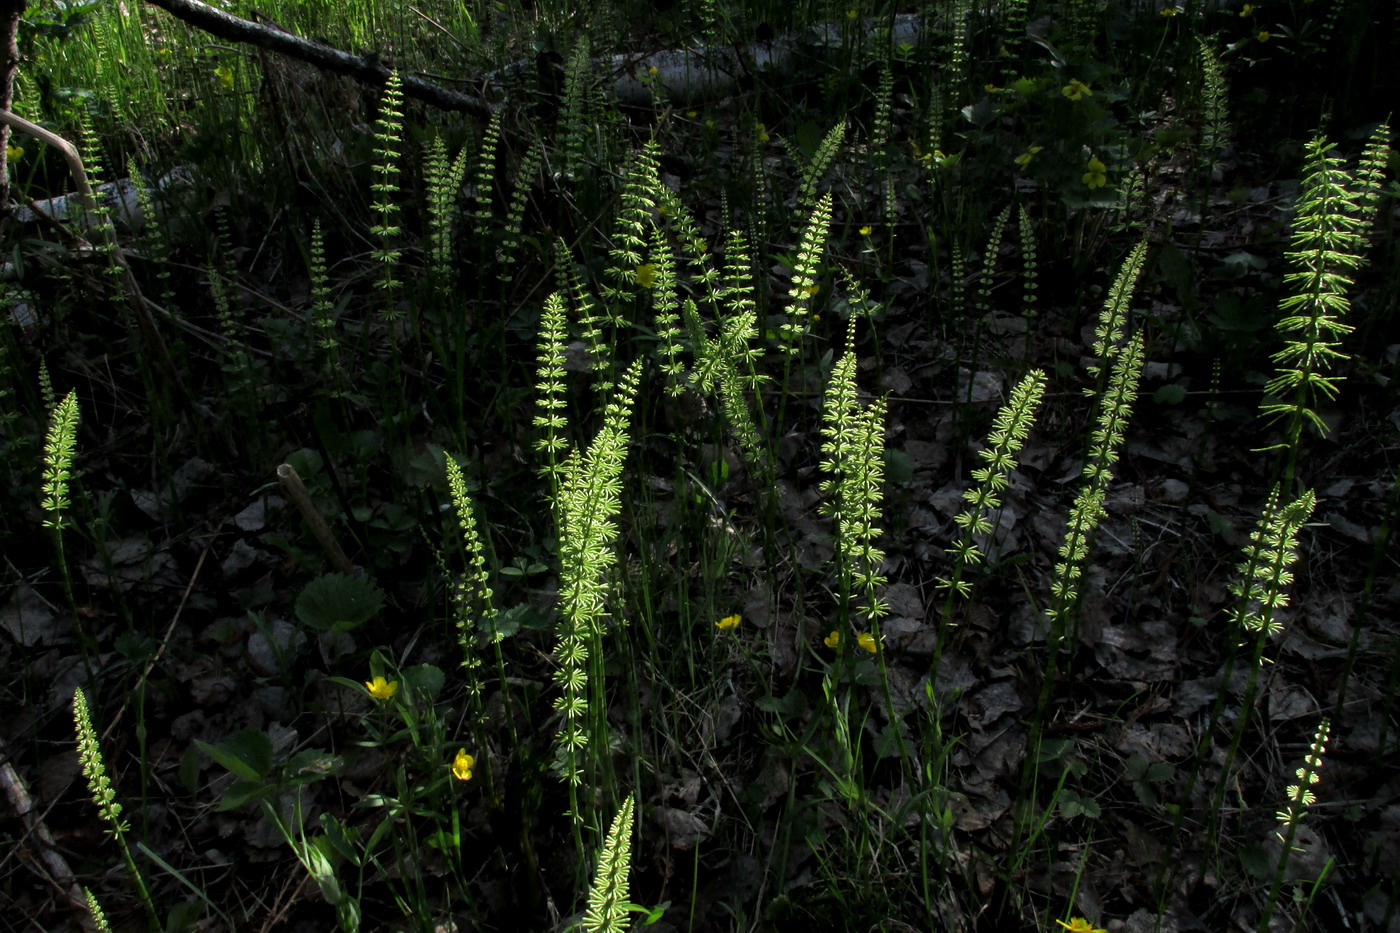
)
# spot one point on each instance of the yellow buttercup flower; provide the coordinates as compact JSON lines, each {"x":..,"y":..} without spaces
{"x":867,"y":641}
{"x":833,"y":640}
{"x":646,"y":274}
{"x":727,"y":623}
{"x":382,"y":689}
{"x":1246,"y":10}
{"x":1097,"y":176}
{"x":14,"y":153}
{"x":865,"y":231}
{"x":1080,"y":925}
{"x":1076,"y":89}
{"x":462,"y":765}
{"x":852,"y":13}
{"x":762,"y":132}
{"x":810,"y":291}
{"x":225,"y":75}
{"x":1263,"y":35}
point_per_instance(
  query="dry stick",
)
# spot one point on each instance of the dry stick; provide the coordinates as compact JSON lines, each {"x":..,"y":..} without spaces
{"x":133,"y":291}
{"x":369,"y":70}
{"x":292,"y":484}
{"x":165,"y":639}
{"x":59,"y":872}
{"x":10,"y":13}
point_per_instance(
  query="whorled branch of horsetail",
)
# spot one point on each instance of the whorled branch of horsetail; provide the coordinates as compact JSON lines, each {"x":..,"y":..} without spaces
{"x":74,"y":161}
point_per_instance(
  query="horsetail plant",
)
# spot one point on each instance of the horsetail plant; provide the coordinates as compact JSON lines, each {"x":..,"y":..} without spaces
{"x":1262,"y":589}
{"x":515,"y":211}
{"x":1113,"y":320}
{"x":1009,"y":432}
{"x":1328,"y":242}
{"x":485,"y":180}
{"x":1215,"y":130}
{"x":59,"y":450}
{"x":1067,"y":579}
{"x":1300,"y":798}
{"x":322,"y":310}
{"x":989,"y":262}
{"x":804,"y":276}
{"x":1028,"y":267}
{"x":46,"y":385}
{"x":666,"y":302}
{"x":607,"y":896}
{"x":388,"y":131}
{"x":586,"y":505}
{"x":1370,"y":174}
{"x":853,"y":462}
{"x":572,"y":124}
{"x":814,"y":171}
{"x":155,"y":231}
{"x":444,"y":180}
{"x":1265,"y":573}
{"x":474,"y":607}
{"x":103,"y":796}
{"x":549,"y":383}
{"x":591,"y":315}
{"x":99,"y":917}
{"x":630,"y":240}
{"x":1106,"y":438}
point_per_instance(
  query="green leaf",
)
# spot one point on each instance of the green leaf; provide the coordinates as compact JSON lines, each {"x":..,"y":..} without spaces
{"x":424,"y":681}
{"x":313,"y":764}
{"x":241,"y":792}
{"x":1169,"y":394}
{"x":899,"y":466}
{"x":247,"y":754}
{"x":338,"y":601}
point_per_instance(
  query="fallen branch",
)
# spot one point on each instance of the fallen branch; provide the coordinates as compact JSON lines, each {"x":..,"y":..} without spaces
{"x":89,"y":201}
{"x":369,"y":70}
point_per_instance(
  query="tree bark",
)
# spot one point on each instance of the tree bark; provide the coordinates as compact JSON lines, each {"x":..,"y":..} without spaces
{"x":369,"y":70}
